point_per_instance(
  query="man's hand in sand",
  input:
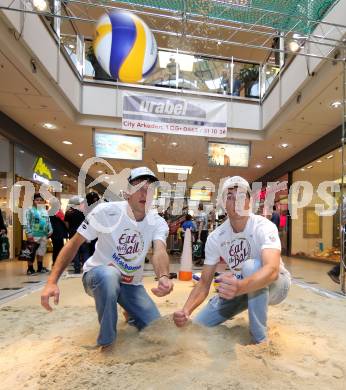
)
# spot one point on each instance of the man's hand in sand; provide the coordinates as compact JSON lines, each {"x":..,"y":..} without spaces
{"x":180,"y":318}
{"x":164,"y":287}
{"x":50,"y":290}
{"x":229,"y":285}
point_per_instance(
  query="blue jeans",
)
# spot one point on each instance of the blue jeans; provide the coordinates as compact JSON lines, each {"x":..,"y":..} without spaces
{"x":103,"y":284}
{"x":218,"y":310}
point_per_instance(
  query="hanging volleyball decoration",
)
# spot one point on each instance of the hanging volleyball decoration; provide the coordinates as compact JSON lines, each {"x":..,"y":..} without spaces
{"x":125,"y":47}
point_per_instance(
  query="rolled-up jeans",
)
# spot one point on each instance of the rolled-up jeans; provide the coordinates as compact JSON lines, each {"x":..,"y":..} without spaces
{"x":103,"y":284}
{"x":219,"y":310}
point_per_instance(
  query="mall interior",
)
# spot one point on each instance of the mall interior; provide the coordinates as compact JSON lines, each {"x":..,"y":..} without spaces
{"x":260,"y":92}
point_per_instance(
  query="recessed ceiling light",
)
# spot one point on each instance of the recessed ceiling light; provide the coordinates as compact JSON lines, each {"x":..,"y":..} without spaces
{"x":80,"y":154}
{"x":319,"y":161}
{"x":309,"y":167}
{"x":65,"y":175}
{"x":258,"y":166}
{"x":67,"y":142}
{"x":283,"y":146}
{"x":330,"y":156}
{"x":49,"y":126}
{"x":269,"y":157}
{"x":336,"y":104}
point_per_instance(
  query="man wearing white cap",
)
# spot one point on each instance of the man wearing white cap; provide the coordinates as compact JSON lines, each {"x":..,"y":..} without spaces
{"x":251,"y":247}
{"x":113,"y":274}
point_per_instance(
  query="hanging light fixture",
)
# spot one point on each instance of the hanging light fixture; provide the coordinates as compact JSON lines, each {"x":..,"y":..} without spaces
{"x":40,"y":5}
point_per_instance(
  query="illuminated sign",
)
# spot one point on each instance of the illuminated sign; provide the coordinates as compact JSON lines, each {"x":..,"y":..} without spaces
{"x":201,"y":194}
{"x":42,"y":170}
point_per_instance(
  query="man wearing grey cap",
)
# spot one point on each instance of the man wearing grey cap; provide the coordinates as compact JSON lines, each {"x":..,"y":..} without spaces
{"x":249,"y":244}
{"x":113,"y":274}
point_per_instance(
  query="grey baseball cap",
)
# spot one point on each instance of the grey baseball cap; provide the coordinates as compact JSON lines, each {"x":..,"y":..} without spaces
{"x":75,"y":201}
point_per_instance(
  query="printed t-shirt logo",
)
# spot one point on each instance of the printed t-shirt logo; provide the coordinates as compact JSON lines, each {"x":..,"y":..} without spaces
{"x":239,"y":251}
{"x":129,"y":247}
{"x":272,"y":237}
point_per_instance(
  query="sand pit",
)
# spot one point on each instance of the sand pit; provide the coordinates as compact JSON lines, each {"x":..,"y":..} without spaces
{"x":40,"y":350}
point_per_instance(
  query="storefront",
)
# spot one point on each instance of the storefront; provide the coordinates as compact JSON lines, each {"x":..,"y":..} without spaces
{"x":314,"y":236}
{"x":18,"y":166}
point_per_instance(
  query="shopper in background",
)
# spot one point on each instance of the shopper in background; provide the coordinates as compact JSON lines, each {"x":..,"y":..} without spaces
{"x":59,"y":230}
{"x":74,"y":217}
{"x":38,"y":228}
{"x":92,"y":199}
{"x":3,"y":229}
{"x":275,"y":218}
{"x":4,"y":242}
{"x":334,"y":274}
{"x":202,"y":227}
{"x":188,"y":224}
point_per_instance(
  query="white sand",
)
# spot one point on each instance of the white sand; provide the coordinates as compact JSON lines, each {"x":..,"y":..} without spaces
{"x":40,"y":350}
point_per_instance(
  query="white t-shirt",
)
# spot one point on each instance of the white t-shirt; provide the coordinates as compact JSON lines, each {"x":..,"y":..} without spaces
{"x":122,"y":241}
{"x":203,"y":219}
{"x":234,"y":249}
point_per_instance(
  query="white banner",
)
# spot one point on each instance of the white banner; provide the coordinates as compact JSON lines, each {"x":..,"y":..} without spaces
{"x":174,"y":115}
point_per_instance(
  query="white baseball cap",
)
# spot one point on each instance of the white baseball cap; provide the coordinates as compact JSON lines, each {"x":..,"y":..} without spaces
{"x":142,"y":172}
{"x":236,"y":182}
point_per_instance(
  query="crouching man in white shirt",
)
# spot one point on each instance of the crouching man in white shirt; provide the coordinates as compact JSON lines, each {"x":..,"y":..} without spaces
{"x":251,"y":247}
{"x":113,"y":274}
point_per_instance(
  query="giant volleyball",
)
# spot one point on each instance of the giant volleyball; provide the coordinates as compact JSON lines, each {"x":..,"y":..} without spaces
{"x":125,"y":47}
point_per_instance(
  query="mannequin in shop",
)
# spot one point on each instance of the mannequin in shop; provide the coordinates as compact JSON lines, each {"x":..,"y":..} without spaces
{"x":38,"y":228}
{"x":251,"y":247}
{"x":125,"y":231}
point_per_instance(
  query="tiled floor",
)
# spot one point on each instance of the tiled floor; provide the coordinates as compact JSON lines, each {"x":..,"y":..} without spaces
{"x":14,"y":282}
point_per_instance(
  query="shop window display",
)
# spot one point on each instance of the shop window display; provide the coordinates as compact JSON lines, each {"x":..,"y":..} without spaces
{"x":313,"y":236}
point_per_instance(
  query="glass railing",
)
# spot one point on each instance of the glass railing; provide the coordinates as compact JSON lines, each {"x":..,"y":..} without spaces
{"x":184,"y":71}
{"x":190,"y":72}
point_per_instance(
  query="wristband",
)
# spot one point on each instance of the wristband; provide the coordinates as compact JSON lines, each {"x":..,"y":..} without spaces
{"x":163,"y":276}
